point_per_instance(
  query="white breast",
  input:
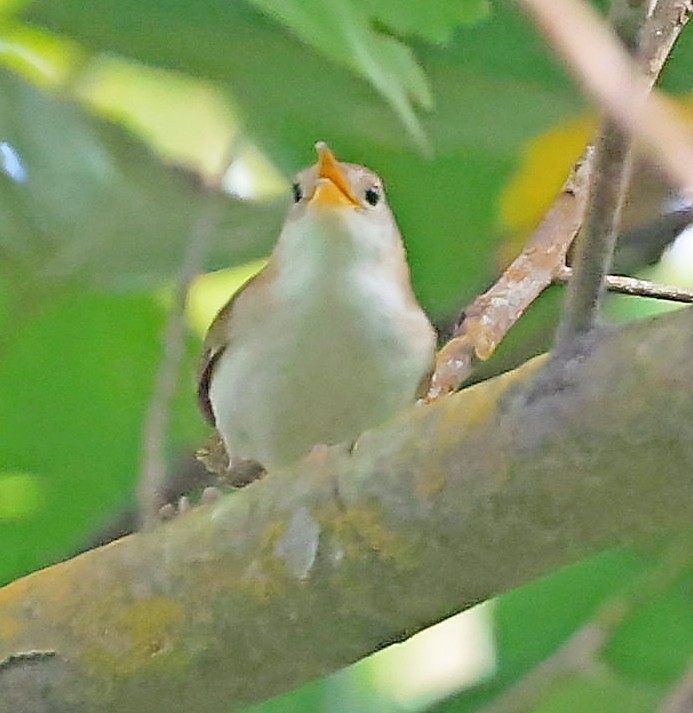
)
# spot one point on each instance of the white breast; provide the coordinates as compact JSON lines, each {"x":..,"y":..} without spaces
{"x":341,"y":350}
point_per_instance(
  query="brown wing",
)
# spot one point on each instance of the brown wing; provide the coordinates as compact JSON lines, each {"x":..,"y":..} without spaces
{"x":216,"y":341}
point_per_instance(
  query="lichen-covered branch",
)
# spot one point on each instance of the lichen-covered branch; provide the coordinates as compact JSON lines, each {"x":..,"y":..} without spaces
{"x":316,"y":566}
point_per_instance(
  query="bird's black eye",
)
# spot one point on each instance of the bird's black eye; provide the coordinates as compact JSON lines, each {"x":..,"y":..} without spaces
{"x":297,"y":192}
{"x":372,"y":195}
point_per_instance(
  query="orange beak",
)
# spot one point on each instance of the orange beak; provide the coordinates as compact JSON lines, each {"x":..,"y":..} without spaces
{"x":332,"y":188}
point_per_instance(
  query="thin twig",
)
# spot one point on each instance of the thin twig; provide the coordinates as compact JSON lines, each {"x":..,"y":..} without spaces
{"x":616,"y":84}
{"x":152,"y":478}
{"x":595,"y":244}
{"x":486,"y":321}
{"x":596,"y":241}
{"x":637,"y":287}
{"x":667,"y":19}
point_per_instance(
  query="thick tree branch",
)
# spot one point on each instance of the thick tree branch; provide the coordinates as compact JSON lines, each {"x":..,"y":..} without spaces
{"x":316,"y":566}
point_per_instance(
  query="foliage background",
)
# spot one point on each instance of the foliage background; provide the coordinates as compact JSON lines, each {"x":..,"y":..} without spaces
{"x":113,"y":116}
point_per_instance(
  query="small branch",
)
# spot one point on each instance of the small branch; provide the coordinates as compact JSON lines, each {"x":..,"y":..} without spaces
{"x":152,"y":479}
{"x":596,"y":241}
{"x":640,"y":288}
{"x":486,"y":321}
{"x":616,"y":84}
{"x":661,"y":31}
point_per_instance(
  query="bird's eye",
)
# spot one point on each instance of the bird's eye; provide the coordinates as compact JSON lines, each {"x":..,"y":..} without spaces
{"x":372,"y":195}
{"x":297,"y":192}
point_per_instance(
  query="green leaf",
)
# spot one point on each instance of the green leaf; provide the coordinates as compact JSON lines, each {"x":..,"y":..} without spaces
{"x":655,"y":643}
{"x":604,"y":693}
{"x":435,"y":20}
{"x":493,"y":87}
{"x":20,"y":495}
{"x":75,"y":380}
{"x":343,"y":32}
{"x":80,"y":197}
{"x":531,"y":622}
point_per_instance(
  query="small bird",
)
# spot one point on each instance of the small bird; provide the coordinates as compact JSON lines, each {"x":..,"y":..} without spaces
{"x":328,"y":339}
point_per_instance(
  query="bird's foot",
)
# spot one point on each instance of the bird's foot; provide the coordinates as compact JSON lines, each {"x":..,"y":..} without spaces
{"x":170,"y":511}
{"x":241,"y":472}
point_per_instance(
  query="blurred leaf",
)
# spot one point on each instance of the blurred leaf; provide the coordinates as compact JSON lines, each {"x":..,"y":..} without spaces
{"x":534,"y":620}
{"x":603,"y":693}
{"x":145,"y":99}
{"x":342,"y":31}
{"x":493,"y":87}
{"x":39,"y":56}
{"x":655,"y":644}
{"x":676,"y":76}
{"x":20,"y":495}
{"x":93,"y":202}
{"x":544,"y":162}
{"x":434,"y":20}
{"x":9,"y":7}
{"x":75,"y":380}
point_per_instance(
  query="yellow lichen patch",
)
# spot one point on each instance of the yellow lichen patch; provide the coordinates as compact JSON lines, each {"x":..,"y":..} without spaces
{"x":146,"y":629}
{"x":481,"y":400}
{"x":429,"y":482}
{"x":153,"y":624}
{"x":266,"y":576}
{"x":361,"y":534}
{"x":54,"y":587}
{"x":9,"y":628}
{"x":478,"y":410}
{"x":13,"y":593}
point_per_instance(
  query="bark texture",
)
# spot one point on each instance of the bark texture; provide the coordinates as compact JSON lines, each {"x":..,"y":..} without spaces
{"x":316,"y":566}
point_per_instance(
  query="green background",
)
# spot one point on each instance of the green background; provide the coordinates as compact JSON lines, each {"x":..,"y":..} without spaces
{"x":443,"y":99}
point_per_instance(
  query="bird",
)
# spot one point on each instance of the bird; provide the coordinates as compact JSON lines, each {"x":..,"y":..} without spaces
{"x":328,"y":339}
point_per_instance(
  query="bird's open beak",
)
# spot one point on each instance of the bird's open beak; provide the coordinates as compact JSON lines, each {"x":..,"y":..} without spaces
{"x":331,"y":188}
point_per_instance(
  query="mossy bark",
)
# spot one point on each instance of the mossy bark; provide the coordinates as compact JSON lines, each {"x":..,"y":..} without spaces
{"x":318,"y":565}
